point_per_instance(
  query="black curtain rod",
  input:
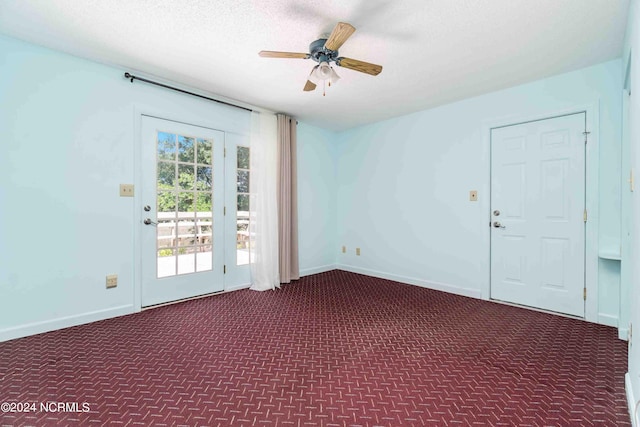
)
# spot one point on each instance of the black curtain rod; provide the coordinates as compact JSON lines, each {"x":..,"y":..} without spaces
{"x":132,"y":77}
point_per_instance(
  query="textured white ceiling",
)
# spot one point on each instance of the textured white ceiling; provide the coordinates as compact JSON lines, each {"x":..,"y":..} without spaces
{"x":433,"y":51}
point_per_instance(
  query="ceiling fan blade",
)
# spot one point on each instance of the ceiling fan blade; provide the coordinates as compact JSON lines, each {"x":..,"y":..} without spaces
{"x":363,"y":67}
{"x":309,"y":86}
{"x":274,"y":54}
{"x":341,"y":32}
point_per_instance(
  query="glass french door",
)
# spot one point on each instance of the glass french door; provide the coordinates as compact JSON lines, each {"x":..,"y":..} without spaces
{"x":182,"y":212}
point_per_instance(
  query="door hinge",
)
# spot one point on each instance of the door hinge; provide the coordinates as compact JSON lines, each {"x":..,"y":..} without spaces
{"x":584,"y":294}
{"x":224,"y":211}
{"x":224,"y":270}
{"x":586,"y":134}
{"x":225,"y":151}
{"x":584,"y":216}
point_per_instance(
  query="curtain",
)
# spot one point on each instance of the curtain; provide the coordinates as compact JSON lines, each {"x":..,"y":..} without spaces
{"x":287,"y":199}
{"x":263,"y":207}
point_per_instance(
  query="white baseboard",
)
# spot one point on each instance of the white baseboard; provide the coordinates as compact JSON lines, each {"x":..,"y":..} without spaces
{"x":452,"y":289}
{"x":317,"y":270}
{"x":63,"y":322}
{"x":81,"y":319}
{"x":631,"y":400}
{"x":608,"y":319}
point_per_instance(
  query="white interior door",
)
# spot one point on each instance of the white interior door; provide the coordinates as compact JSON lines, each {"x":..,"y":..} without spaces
{"x":537,"y":214}
{"x":182,"y":235}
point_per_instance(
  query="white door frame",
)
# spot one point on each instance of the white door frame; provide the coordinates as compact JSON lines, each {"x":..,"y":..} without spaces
{"x":591,"y":190}
{"x":165,"y":113}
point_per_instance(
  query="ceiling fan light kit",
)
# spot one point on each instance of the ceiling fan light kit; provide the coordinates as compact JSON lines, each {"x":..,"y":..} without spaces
{"x":323,"y":72}
{"x":325,"y":52}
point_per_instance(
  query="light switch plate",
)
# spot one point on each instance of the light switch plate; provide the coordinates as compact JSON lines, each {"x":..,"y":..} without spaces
{"x":358,"y":251}
{"x":126,"y":190}
{"x":473,"y":195}
{"x":344,"y":249}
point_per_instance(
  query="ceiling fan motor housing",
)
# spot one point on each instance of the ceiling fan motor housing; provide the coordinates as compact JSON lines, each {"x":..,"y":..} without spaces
{"x":319,"y":53}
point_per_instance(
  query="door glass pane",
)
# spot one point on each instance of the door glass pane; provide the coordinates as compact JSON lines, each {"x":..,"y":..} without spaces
{"x":243,"y":204}
{"x":166,"y":146}
{"x":204,"y":151}
{"x":204,"y":205}
{"x":242,"y":207}
{"x":186,"y":232}
{"x":166,"y":233}
{"x":203,"y":178}
{"x":186,"y":260}
{"x":186,"y":149}
{"x":204,"y":258}
{"x":184,"y":204}
{"x":243,"y":158}
{"x":243,"y":181}
{"x":166,"y":263}
{"x":166,"y":175}
{"x":167,"y":202}
{"x":186,"y":177}
{"x":204,"y":231}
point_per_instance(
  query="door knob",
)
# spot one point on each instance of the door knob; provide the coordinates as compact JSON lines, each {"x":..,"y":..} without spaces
{"x":496,"y":224}
{"x":148,"y":221}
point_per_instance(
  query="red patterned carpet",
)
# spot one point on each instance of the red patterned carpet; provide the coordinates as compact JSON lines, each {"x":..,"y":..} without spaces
{"x":335,"y":349}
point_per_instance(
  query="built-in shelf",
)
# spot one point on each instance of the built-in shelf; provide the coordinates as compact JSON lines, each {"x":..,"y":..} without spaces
{"x":609,"y":254}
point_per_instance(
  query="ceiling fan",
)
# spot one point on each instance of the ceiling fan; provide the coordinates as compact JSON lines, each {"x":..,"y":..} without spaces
{"x":325,"y":51}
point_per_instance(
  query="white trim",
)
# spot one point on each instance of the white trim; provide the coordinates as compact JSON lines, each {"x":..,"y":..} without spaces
{"x":626,"y":71}
{"x":539,"y":310}
{"x":591,"y":194}
{"x":608,"y":320}
{"x":592,"y":188}
{"x":63,"y":322}
{"x":623,"y":334}
{"x":235,"y":288}
{"x":188,"y":118}
{"x":197,"y":297}
{"x":208,"y":120}
{"x":317,"y":270}
{"x":136,"y":215}
{"x":452,"y":289}
{"x":631,"y":401}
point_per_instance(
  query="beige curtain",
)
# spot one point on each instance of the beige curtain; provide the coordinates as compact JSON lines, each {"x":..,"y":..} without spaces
{"x":287,"y":200}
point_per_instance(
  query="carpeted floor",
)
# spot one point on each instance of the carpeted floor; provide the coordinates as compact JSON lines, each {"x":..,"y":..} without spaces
{"x":334,"y":349}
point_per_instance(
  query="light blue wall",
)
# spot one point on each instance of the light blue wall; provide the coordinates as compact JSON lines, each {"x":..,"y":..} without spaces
{"x":632,"y":258}
{"x":316,"y":199}
{"x":397,"y":189}
{"x":68,"y":141}
{"x":403,"y":184}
